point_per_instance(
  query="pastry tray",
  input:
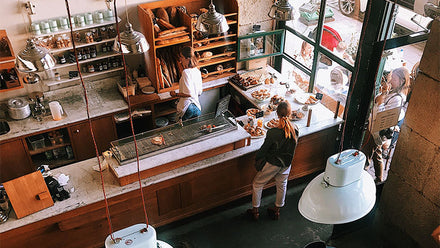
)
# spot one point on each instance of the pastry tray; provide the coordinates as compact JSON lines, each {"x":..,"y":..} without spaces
{"x":175,"y":136}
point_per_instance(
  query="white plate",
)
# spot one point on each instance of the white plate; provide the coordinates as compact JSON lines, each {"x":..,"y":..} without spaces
{"x":297,"y":119}
{"x":259,"y":137}
{"x":266,"y":125}
{"x":302,"y":98}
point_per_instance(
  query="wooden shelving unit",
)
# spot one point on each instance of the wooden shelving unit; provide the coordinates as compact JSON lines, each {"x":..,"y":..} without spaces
{"x":7,"y":63}
{"x":222,"y":47}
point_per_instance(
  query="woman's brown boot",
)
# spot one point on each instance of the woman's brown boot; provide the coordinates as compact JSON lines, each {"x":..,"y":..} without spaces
{"x":274,"y":213}
{"x":253,"y":213}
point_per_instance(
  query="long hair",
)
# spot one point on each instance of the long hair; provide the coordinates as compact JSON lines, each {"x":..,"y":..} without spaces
{"x":283,"y":112}
{"x":404,"y":80}
{"x":188,"y":53}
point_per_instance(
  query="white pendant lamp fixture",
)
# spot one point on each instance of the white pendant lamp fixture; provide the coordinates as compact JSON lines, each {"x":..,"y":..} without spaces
{"x":136,"y":236}
{"x":132,"y":42}
{"x":212,"y":22}
{"x":34,"y":58}
{"x":281,"y":11}
{"x":343,"y":193}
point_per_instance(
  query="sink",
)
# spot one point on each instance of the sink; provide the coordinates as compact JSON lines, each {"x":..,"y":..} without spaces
{"x":4,"y":127}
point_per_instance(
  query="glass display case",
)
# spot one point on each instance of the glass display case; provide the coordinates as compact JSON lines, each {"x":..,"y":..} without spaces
{"x":260,"y":44}
{"x":173,"y":136}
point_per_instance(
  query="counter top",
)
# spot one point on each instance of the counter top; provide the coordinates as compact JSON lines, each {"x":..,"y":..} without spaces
{"x":103,"y":96}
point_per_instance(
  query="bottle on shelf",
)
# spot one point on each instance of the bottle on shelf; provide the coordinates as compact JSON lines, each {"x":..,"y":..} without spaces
{"x":62,"y":59}
{"x":93,"y":52}
{"x":100,"y":68}
{"x":104,"y":66}
{"x":91,"y":68}
{"x":104,"y":48}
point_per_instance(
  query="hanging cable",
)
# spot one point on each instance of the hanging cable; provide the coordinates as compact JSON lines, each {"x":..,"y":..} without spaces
{"x":129,"y":110}
{"x":90,"y":123}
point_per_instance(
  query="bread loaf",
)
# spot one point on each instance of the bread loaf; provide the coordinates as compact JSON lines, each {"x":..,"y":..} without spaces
{"x":164,"y":24}
{"x":162,"y":14}
{"x":183,"y":28}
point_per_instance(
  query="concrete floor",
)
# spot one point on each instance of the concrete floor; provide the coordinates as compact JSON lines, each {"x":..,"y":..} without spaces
{"x":228,"y":226}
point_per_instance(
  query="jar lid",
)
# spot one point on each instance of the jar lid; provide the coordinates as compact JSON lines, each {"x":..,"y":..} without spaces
{"x":17,"y":103}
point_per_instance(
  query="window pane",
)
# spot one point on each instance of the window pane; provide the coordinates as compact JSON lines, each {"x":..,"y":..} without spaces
{"x":409,"y":21}
{"x":298,"y":49}
{"x":342,"y":29}
{"x":306,"y":16}
{"x":295,"y":75}
{"x":332,"y":80}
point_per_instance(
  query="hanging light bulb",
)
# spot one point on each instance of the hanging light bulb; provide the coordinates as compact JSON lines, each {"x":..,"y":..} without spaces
{"x":132,"y":42}
{"x":34,"y":58}
{"x":343,"y":193}
{"x":212,"y":22}
{"x":281,"y":11}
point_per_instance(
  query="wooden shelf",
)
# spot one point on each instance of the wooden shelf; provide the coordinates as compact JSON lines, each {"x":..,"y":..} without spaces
{"x":215,"y":61}
{"x":79,"y":45}
{"x":47,"y":148}
{"x":173,"y":43}
{"x":101,"y":56}
{"x":219,"y":74}
{"x":163,"y":110}
{"x":230,"y":22}
{"x":217,"y":56}
{"x":95,"y":25}
{"x":174,"y":87}
{"x":65,"y":79}
{"x":230,"y":14}
{"x":214,"y":38}
{"x":214,"y":45}
{"x":171,"y":36}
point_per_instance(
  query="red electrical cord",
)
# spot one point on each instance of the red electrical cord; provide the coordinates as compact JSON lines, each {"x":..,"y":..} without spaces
{"x":90,"y":123}
{"x":129,"y":113}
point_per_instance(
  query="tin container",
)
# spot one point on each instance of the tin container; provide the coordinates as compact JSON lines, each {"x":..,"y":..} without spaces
{"x":18,"y":108}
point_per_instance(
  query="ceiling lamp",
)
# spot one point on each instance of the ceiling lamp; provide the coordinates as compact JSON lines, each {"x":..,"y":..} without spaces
{"x":343,"y":193}
{"x":132,"y":42}
{"x":34,"y":58}
{"x":281,"y":11}
{"x":212,"y":22}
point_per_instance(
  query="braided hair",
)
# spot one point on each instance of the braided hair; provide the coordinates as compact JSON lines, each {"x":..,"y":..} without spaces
{"x":283,"y":112}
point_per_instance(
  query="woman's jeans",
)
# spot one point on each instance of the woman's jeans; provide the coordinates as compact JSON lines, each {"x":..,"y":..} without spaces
{"x":191,"y":112}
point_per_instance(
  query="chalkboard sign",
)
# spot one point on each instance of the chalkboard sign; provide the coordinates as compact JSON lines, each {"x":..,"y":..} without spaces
{"x":259,"y":114}
{"x":319,"y":96}
{"x":222,"y":105}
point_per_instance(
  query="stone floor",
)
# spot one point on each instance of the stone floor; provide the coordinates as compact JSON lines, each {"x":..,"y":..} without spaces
{"x":228,"y":226}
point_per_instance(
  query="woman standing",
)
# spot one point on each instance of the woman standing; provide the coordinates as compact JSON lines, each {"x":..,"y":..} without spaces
{"x":190,"y":86}
{"x":277,"y":150}
{"x":393,"y":95}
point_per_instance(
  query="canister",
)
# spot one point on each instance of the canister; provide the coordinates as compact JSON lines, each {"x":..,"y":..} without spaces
{"x":80,"y":20}
{"x":89,"y":18}
{"x":44,"y":27}
{"x":35,"y":28}
{"x":63,"y":23}
{"x":72,"y":22}
{"x":99,"y":17}
{"x":108,"y":15}
{"x":53,"y":25}
{"x":18,"y":108}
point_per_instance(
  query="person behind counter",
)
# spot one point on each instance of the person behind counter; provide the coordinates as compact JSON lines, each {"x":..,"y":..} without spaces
{"x":277,"y":151}
{"x":190,"y":86}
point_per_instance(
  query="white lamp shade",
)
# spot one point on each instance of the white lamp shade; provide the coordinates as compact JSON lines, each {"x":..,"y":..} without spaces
{"x":135,"y":236}
{"x":327,"y":204}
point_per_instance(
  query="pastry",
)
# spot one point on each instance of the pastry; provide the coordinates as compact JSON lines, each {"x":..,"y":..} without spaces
{"x":158,"y":140}
{"x":296,"y":115}
{"x":272,"y":123}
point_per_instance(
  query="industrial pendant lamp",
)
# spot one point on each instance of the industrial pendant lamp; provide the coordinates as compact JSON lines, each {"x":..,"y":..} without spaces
{"x":132,"y":42}
{"x":34,"y":58}
{"x":281,"y":11}
{"x":343,"y":193}
{"x":212,"y":22}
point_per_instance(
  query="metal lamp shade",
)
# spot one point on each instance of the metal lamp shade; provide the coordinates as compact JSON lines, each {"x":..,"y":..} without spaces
{"x":132,"y":42}
{"x":343,"y":193}
{"x":34,"y":58}
{"x":212,"y":22}
{"x":281,"y":11}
